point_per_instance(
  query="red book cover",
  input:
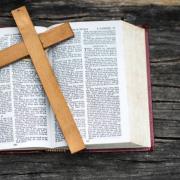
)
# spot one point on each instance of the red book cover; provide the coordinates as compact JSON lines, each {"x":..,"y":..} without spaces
{"x":118,"y":149}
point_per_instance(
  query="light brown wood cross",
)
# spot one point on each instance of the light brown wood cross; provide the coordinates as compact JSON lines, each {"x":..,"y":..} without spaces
{"x":33,"y":45}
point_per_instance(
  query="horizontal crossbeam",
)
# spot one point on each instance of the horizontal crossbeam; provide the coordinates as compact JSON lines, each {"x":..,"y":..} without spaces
{"x":48,"y":38}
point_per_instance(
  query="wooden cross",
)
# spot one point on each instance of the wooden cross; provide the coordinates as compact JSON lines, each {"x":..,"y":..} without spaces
{"x":33,"y":45}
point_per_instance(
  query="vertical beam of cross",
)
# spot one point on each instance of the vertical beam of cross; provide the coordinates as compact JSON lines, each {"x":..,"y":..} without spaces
{"x":48,"y":80}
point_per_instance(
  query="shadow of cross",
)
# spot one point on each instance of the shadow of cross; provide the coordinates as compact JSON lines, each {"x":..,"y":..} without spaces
{"x":33,"y":45}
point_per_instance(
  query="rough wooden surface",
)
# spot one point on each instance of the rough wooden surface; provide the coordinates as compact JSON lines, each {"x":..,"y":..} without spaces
{"x":164,"y":27}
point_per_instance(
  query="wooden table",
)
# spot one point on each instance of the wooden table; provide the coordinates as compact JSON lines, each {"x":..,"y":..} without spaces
{"x":163,"y":19}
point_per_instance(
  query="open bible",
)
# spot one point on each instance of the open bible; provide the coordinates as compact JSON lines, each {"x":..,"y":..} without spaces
{"x":104,"y":75}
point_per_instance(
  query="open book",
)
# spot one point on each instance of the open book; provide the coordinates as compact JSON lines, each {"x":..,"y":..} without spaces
{"x":104,"y":75}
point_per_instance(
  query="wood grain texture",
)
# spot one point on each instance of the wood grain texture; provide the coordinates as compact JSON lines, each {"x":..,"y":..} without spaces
{"x":164,"y":34}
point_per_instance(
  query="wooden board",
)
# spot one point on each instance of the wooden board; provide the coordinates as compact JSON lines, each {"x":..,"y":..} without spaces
{"x":48,"y":38}
{"x":48,"y":80}
{"x":164,"y":162}
{"x":136,"y":2}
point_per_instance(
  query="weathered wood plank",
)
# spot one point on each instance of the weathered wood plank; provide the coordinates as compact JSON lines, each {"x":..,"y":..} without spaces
{"x":166,"y":94}
{"x":162,"y":163}
{"x":101,"y":2}
{"x":155,"y":16}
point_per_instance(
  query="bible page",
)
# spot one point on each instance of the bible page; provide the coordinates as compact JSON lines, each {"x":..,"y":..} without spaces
{"x":24,"y":109}
{"x":90,"y":72}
